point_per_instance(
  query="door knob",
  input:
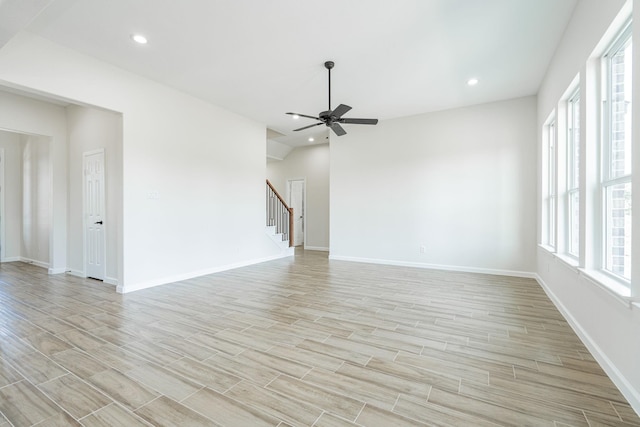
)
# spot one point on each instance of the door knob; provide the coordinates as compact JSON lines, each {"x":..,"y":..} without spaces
{"x":99,"y":222}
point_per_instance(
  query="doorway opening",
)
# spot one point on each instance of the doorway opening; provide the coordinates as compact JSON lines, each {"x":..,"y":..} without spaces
{"x":296,"y":195}
{"x":25,"y":198}
{"x":94,"y":212}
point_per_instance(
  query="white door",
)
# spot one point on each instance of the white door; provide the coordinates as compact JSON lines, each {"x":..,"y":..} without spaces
{"x":94,"y":241}
{"x":296,"y":201}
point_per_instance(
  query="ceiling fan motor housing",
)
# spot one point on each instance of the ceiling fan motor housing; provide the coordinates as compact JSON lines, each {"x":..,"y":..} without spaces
{"x":325,"y":115}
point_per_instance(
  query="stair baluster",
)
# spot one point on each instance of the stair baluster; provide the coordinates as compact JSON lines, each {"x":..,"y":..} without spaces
{"x":279,"y":214}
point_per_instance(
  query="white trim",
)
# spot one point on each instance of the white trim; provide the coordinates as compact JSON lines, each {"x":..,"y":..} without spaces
{"x":628,"y":391}
{"x":166,"y":280}
{"x":316,"y":248}
{"x":547,"y":248}
{"x":77,"y":273}
{"x":81,"y":274}
{"x":462,"y":269}
{"x":568,"y":260}
{"x":595,"y":277}
{"x":572,"y":188}
{"x":56,"y":270}
{"x":607,"y":284}
{"x":549,"y":183}
{"x":34,"y":262}
{"x":11,"y":259}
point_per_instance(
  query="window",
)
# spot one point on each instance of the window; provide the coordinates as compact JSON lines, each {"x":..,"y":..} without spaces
{"x":551,"y":205}
{"x":573,"y":175}
{"x":616,"y":156}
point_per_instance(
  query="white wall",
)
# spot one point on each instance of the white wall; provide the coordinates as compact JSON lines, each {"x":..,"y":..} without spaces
{"x":36,"y":199}
{"x":12,"y":219}
{"x":460,"y":182}
{"x":312,"y":164}
{"x":90,"y":129}
{"x":206,"y":165}
{"x":606,"y":323}
{"x":37,"y":118}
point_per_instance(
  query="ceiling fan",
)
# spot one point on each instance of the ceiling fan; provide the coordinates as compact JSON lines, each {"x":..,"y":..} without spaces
{"x":333,"y":118}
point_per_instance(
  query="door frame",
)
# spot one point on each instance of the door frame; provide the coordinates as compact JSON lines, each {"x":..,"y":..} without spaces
{"x":85,"y":154}
{"x":304,"y":206}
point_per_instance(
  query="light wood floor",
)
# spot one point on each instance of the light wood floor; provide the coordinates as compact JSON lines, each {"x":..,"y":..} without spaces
{"x":296,"y":343}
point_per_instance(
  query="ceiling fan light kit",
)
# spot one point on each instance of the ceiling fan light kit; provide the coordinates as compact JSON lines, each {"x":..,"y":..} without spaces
{"x":333,"y":118}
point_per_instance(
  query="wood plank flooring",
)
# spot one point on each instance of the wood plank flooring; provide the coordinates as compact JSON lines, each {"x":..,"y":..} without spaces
{"x":296,"y":342}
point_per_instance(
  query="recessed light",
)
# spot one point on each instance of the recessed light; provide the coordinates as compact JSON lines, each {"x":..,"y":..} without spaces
{"x":295,"y":116}
{"x":311,"y":139}
{"x":472,"y":82}
{"x":139,"y":38}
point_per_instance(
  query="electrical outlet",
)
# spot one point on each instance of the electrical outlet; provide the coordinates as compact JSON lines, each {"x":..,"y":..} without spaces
{"x":422,"y":249}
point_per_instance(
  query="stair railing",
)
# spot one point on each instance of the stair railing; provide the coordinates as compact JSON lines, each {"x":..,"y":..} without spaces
{"x":279,"y":214}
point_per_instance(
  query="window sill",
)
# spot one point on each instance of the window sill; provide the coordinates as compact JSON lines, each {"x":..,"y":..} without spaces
{"x":569,"y":260}
{"x":566,"y":259}
{"x":603,"y":281}
{"x":547,"y":248}
{"x":611,"y":286}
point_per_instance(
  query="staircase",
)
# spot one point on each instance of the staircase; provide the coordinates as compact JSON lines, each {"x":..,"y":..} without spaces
{"x":279,"y":219}
{"x":278,"y":238}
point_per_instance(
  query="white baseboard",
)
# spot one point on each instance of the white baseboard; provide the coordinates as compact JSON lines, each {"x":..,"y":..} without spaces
{"x":107,"y":280}
{"x":34,"y":262}
{"x":316,"y":248}
{"x":163,"y":281}
{"x":461,"y":269}
{"x":76,"y":273}
{"x":628,"y":390}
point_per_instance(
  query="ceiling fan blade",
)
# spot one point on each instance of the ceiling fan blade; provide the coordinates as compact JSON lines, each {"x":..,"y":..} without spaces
{"x":339,"y":130}
{"x":310,"y":126}
{"x":359,"y":121}
{"x":303,"y":115}
{"x":340,"y":110}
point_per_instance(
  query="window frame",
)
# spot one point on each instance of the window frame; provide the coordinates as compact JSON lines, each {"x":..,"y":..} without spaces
{"x":609,"y":180}
{"x":572,"y":234}
{"x":551,"y":190}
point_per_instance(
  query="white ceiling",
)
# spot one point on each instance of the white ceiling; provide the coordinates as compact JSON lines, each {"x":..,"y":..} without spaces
{"x":263,"y":58}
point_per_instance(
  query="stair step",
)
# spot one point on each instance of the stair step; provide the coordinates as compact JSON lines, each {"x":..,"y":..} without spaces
{"x":278,"y":238}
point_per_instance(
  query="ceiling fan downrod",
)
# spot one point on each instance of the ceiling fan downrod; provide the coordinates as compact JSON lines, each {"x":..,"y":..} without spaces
{"x":329,"y":65}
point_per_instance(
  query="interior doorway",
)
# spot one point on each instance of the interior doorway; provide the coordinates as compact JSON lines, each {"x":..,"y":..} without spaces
{"x":94,"y":209}
{"x":25,"y":198}
{"x":296,"y":192}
